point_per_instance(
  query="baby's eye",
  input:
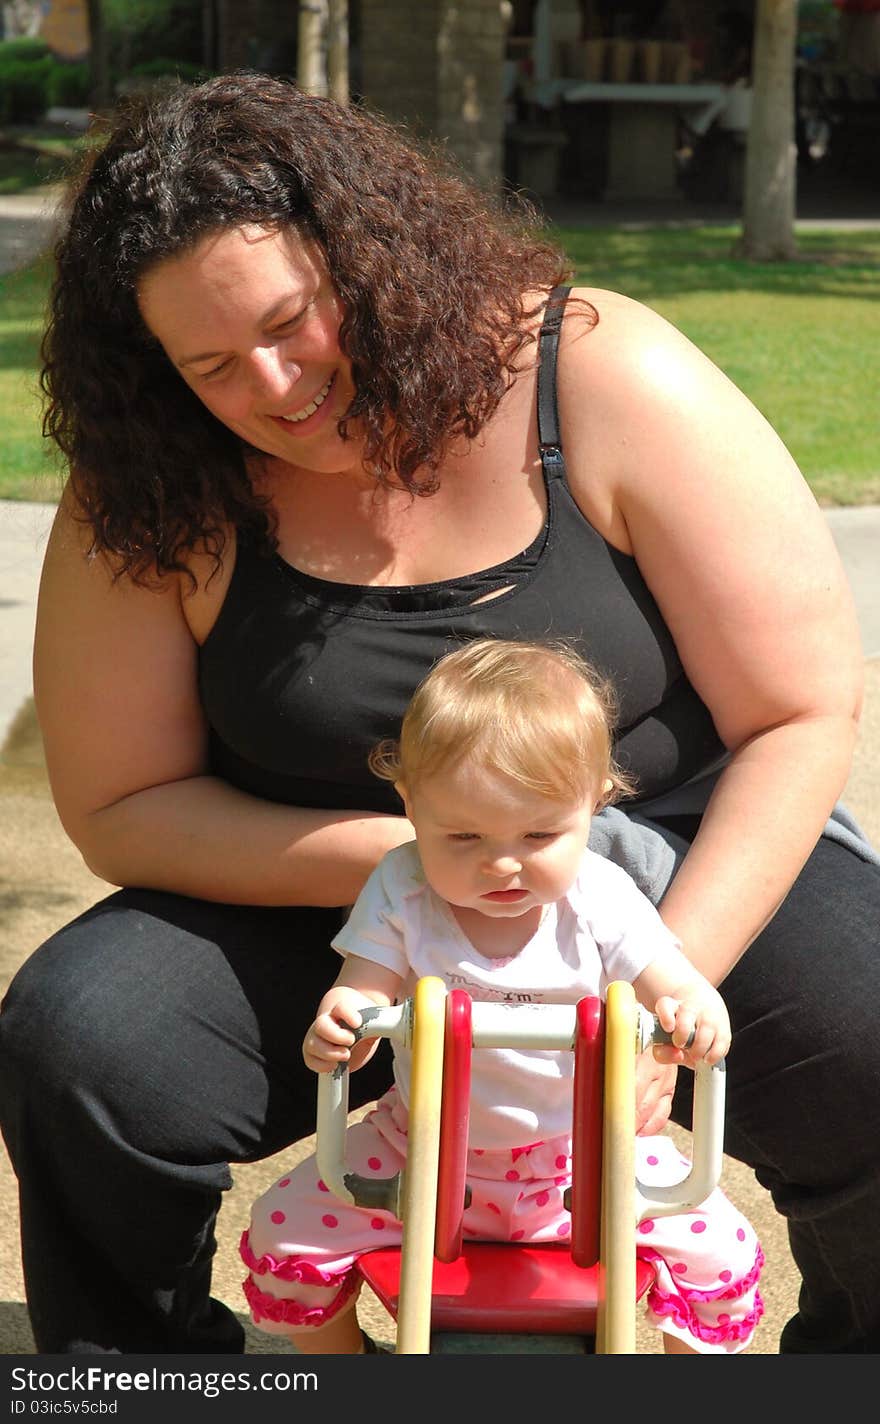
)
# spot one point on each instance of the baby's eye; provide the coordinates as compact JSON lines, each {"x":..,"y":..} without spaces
{"x":463,"y":836}
{"x":541,"y":835}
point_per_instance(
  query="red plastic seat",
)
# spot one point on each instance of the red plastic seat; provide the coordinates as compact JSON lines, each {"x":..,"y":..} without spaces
{"x":496,"y":1288}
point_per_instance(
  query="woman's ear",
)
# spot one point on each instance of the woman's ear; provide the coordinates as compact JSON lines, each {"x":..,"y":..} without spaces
{"x":605,"y":793}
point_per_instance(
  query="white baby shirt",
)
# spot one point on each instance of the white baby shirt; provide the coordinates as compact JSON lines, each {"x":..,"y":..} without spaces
{"x":604,"y":929}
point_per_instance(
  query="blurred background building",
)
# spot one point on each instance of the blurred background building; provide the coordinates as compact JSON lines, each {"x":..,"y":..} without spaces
{"x":582,"y":98}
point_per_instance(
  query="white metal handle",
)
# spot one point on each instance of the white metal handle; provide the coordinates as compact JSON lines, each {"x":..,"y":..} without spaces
{"x":509,"y":1025}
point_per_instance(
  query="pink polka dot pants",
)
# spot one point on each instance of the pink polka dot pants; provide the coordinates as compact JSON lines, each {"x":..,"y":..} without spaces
{"x":302,"y":1243}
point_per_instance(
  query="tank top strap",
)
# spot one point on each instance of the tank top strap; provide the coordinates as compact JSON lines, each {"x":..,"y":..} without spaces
{"x":552,"y":458}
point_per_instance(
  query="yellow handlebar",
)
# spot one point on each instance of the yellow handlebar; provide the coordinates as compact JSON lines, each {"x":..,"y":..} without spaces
{"x":616,"y":1331}
{"x":422,"y":1168}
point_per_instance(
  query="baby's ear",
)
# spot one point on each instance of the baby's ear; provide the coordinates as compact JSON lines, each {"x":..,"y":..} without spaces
{"x":400,"y":788}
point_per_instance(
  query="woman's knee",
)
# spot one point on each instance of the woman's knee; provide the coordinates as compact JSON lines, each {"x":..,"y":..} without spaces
{"x":108,"y":1019}
{"x":53,"y":1022}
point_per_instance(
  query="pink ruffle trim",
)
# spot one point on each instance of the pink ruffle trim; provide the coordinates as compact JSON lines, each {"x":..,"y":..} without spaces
{"x":516,"y":1152}
{"x":294,"y":1312}
{"x":731,"y":1291}
{"x":289,"y":1268}
{"x":679,"y":1308}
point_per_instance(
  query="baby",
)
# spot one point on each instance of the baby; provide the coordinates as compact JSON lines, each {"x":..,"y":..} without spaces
{"x":505,"y":753}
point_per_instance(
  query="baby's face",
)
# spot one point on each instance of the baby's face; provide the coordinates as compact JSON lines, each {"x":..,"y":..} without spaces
{"x":489,"y":844}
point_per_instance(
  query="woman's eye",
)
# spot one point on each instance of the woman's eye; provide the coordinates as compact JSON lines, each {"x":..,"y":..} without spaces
{"x":214,"y":371}
{"x":292,"y":322}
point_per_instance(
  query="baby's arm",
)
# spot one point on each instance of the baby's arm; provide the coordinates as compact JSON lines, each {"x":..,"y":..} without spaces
{"x":330,"y":1040}
{"x":685,"y":1003}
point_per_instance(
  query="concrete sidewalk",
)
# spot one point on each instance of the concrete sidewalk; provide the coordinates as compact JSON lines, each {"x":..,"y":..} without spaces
{"x":27,"y":225}
{"x":24,"y":529}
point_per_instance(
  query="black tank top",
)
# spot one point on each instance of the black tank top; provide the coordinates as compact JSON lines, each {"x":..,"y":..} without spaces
{"x":300,"y":677}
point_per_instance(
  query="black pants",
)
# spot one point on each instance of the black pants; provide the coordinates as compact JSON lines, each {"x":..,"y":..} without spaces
{"x":157,"y":1039}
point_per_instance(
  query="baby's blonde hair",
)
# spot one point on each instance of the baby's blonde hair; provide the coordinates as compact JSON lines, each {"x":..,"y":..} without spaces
{"x":534,"y":712}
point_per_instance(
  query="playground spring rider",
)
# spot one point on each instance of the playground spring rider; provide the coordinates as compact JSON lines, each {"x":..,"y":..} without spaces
{"x":436,"y":1285}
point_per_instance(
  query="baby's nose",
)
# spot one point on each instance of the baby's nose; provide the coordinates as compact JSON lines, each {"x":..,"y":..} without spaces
{"x":504,"y":864}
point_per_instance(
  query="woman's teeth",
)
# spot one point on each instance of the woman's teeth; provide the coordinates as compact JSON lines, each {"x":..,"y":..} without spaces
{"x":312,"y":406}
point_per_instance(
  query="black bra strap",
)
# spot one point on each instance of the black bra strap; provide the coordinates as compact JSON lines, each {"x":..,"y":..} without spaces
{"x":548,"y":410}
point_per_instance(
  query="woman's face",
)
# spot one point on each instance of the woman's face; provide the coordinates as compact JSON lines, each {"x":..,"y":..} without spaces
{"x":250,"y":319}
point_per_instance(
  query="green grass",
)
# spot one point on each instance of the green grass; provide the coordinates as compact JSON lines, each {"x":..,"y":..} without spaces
{"x":31,"y":156}
{"x":801,"y":339}
{"x":28,"y":469}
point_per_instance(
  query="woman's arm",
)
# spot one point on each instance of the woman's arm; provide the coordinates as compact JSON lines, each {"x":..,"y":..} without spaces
{"x":115,"y":679}
{"x":678,"y":468}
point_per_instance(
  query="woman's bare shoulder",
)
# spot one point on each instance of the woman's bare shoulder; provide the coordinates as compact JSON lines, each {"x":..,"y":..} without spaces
{"x":629,"y":378}
{"x":624,"y":372}
{"x":675,"y":465}
{"x":76,"y":566}
{"x":623,"y":329}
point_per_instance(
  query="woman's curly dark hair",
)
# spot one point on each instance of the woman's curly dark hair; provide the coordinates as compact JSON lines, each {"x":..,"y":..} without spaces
{"x":430,"y":271}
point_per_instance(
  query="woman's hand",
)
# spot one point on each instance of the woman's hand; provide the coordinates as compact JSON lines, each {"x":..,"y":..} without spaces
{"x":655,"y":1085}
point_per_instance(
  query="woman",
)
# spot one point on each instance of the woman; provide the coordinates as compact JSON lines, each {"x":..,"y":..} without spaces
{"x":294,"y":367}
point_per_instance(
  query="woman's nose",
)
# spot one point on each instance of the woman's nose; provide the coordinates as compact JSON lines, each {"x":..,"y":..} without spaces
{"x":272,"y":375}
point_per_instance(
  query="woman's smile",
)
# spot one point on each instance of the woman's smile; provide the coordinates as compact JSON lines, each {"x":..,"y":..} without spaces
{"x":299,"y":416}
{"x":251,"y":320}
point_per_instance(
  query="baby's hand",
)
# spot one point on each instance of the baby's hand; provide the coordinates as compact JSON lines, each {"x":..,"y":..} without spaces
{"x":698,"y":1021}
{"x":330,"y":1039}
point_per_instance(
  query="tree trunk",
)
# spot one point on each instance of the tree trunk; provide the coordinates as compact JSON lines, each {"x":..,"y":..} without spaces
{"x":337,"y":51}
{"x":771,"y":157}
{"x":209,"y":35}
{"x":100,"y":96}
{"x":311,"y":68}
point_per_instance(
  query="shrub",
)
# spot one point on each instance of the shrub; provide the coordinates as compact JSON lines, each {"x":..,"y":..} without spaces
{"x":68,"y":85}
{"x":160,"y":68}
{"x":24,"y":48}
{"x":24,"y":88}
